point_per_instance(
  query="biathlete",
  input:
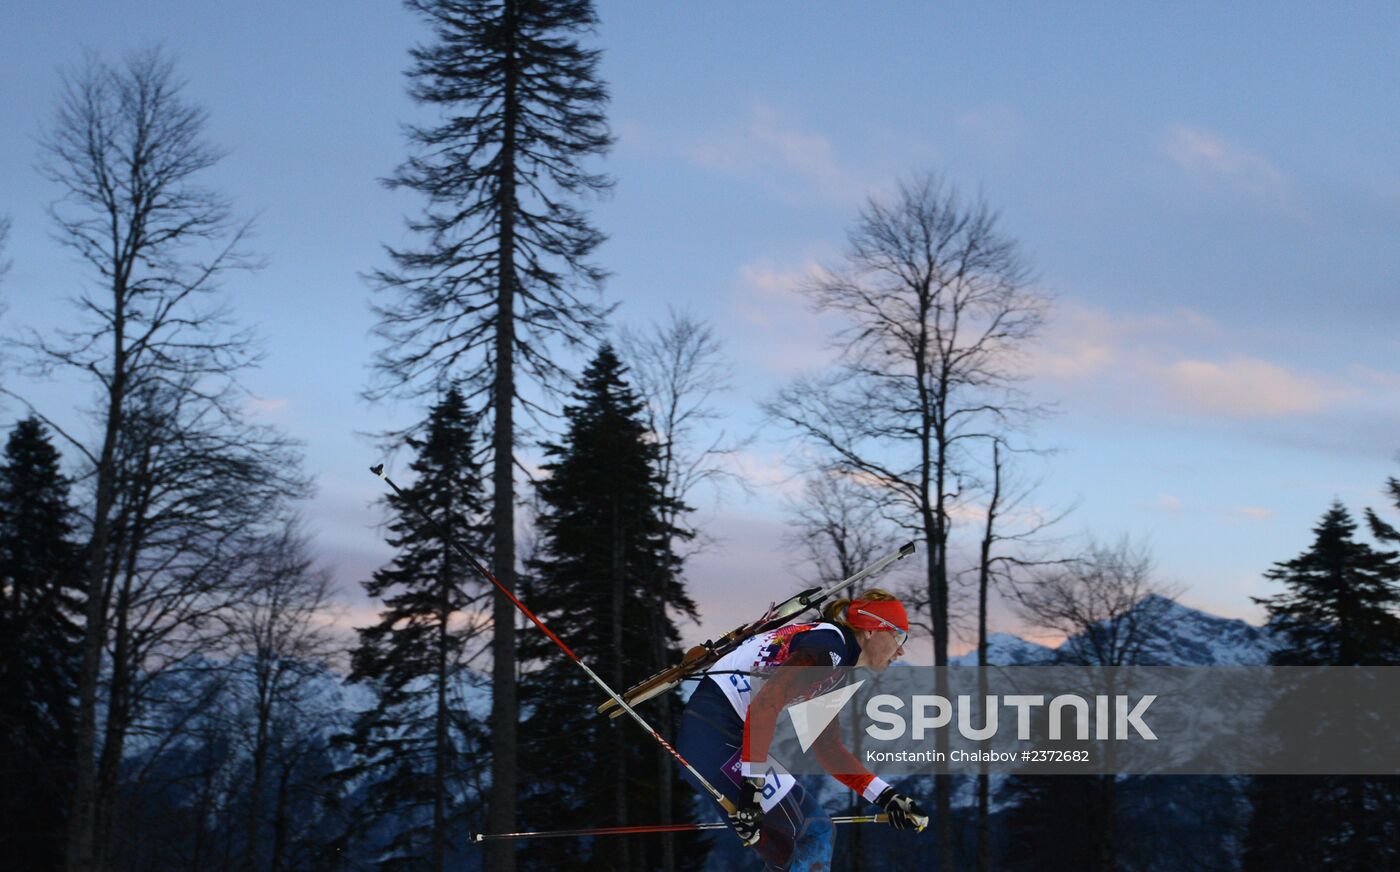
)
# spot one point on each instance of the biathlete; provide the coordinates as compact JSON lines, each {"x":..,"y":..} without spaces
{"x":729,"y":722}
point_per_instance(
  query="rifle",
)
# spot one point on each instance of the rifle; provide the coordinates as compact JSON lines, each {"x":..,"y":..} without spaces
{"x":708,"y":652}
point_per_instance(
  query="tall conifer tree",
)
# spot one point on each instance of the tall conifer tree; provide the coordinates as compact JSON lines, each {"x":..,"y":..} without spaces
{"x":420,"y":745}
{"x":1341,"y":607}
{"x":39,"y":648}
{"x":608,"y":582}
{"x":501,"y":271}
{"x":1340,"y":603}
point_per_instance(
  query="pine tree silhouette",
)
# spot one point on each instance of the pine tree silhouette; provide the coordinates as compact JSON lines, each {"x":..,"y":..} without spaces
{"x":1339,"y":608}
{"x":420,"y":747}
{"x":40,"y":598}
{"x":500,"y":272}
{"x":607,"y":581}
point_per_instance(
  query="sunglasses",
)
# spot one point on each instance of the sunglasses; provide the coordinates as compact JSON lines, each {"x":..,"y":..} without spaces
{"x":901,"y":634}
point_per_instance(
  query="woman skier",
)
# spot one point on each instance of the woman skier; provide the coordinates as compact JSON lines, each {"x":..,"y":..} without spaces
{"x":729,"y":722}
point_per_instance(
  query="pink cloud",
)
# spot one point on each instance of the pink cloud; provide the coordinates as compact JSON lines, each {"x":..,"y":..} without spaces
{"x":1184,"y":362}
{"x":772,"y":148}
{"x":1215,"y":162}
{"x":1082,"y":341}
{"x":1167,"y":503}
{"x":1253,"y":513}
{"x":1244,"y":387}
{"x":264,"y":405}
{"x":776,"y":327}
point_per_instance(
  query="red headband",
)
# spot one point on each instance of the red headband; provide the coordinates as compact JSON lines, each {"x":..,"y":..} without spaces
{"x":890,"y":610}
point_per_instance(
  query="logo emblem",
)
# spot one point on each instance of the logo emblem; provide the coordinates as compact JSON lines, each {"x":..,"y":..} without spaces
{"x":810,"y":718}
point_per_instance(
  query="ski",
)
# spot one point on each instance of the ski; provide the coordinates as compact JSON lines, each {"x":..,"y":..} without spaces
{"x":707,"y":653}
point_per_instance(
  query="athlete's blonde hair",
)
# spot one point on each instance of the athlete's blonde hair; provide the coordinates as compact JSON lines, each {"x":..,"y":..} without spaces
{"x":835,"y":611}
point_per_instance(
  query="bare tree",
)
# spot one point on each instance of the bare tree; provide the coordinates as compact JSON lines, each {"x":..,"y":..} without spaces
{"x":184,"y":777}
{"x":278,"y":638}
{"x":837,"y":525}
{"x":986,"y":566}
{"x":196,"y":497}
{"x":679,"y":369}
{"x":1012,"y":541}
{"x":1105,"y":602}
{"x":230,"y":732}
{"x":938,"y":309}
{"x":177,"y":478}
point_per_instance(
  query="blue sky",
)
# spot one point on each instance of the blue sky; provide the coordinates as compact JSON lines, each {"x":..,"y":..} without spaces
{"x":1211,"y":192}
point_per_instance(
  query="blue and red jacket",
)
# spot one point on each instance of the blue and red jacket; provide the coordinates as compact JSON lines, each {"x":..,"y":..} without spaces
{"x":792,"y":664}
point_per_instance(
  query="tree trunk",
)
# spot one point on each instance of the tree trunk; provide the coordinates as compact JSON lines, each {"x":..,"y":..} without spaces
{"x":664,"y":772}
{"x":108,"y":771}
{"x":855,"y":849}
{"x":267,"y":679}
{"x":504,"y":704}
{"x":119,"y":705}
{"x":82,"y":821}
{"x":618,"y":585}
{"x":440,"y":737}
{"x":201,"y":832}
{"x":984,"y":782}
{"x":984,"y":786}
{"x":984,"y":583}
{"x":942,"y":787}
{"x":505,"y":709}
{"x":279,"y":819}
{"x":942,"y":782}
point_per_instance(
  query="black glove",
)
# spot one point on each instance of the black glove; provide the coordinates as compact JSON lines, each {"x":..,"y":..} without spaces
{"x":747,"y":818}
{"x":904,"y":813}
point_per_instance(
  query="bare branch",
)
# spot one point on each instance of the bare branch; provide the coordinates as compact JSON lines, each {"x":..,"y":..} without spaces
{"x":1105,"y":602}
{"x":837,"y":525}
{"x":182,"y":486}
{"x":937,"y":306}
{"x":679,"y":369}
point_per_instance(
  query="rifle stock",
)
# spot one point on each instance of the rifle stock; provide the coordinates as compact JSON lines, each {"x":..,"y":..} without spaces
{"x":706,"y":654}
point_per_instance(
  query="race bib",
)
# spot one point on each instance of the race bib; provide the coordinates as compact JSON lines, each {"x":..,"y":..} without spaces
{"x":776,"y":780}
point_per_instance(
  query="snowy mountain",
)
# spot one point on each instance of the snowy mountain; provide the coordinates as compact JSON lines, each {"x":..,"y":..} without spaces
{"x":1004,"y":649}
{"x":1181,"y":636}
{"x":1192,"y":816}
{"x":1175,"y":635}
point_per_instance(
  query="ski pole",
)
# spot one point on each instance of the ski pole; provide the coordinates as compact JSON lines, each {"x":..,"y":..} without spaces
{"x":720,"y":798}
{"x":644,"y":830}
